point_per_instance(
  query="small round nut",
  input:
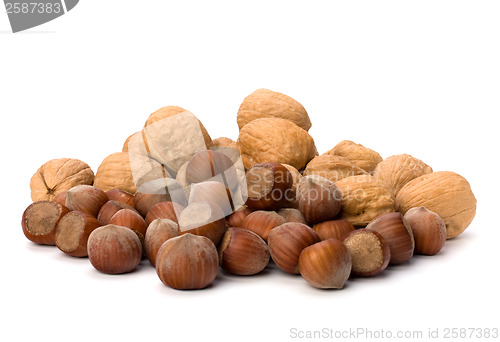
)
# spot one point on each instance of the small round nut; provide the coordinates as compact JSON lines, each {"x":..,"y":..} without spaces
{"x":243,"y":252}
{"x":319,"y":199}
{"x":429,"y":230}
{"x":114,"y":249}
{"x":287,"y":241}
{"x":336,"y":229}
{"x":159,"y":231}
{"x":187,"y":262}
{"x":326,"y":264}
{"x":40,"y":221}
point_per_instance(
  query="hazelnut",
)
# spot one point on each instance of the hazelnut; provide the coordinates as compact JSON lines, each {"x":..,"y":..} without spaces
{"x":132,"y":220}
{"x":203,"y":218}
{"x":121,"y":196}
{"x":287,"y":241}
{"x":370,"y":254}
{"x":159,"y":231}
{"x":187,"y":262}
{"x":168,"y":210}
{"x":110,"y":208}
{"x":40,"y":221}
{"x":243,"y":252}
{"x":114,"y":249}
{"x":60,"y":198}
{"x":236,"y":218}
{"x":292,"y":215}
{"x":336,"y":229}
{"x":159,"y":190}
{"x":73,"y":231}
{"x":319,"y":199}
{"x":262,"y":222}
{"x":269,"y":186}
{"x":398,"y":235}
{"x":86,"y":198}
{"x":214,"y":192}
{"x":326,"y":264}
{"x":429,"y":230}
{"x":211,"y":166}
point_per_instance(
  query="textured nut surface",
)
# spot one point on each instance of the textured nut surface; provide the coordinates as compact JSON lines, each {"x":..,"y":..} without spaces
{"x":395,"y":171}
{"x":363,"y":199}
{"x":265,"y":103}
{"x":275,"y":140}
{"x":172,"y":136}
{"x":59,"y":175}
{"x":363,"y":157}
{"x":446,"y":193}
{"x":127,"y":171}
{"x":332,"y":167}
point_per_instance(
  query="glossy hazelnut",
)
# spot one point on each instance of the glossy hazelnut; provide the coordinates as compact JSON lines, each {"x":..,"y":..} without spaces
{"x":292,"y":215}
{"x":243,"y":252}
{"x":429,"y":230}
{"x":120,"y":196}
{"x":262,"y":222}
{"x":86,"y":198}
{"x":398,"y":235}
{"x":326,"y":264}
{"x":319,"y":199}
{"x":168,"y":210}
{"x":114,"y":249}
{"x":333,"y":229}
{"x":110,"y":208}
{"x":187,"y":262}
{"x":287,"y":241}
{"x":269,"y":186}
{"x":236,"y":218}
{"x":159,"y":231}
{"x":203,"y":218}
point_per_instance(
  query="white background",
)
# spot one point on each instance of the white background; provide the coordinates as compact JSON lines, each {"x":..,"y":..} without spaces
{"x":418,"y":77}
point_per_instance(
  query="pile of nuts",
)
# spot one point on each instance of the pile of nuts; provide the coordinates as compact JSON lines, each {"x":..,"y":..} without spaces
{"x":190,"y":204}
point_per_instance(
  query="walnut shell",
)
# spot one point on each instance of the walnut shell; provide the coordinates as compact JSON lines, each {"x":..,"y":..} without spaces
{"x":446,"y":193}
{"x":332,"y":167}
{"x":395,"y":171}
{"x":59,"y":175}
{"x":172,"y":136}
{"x":275,"y":140}
{"x":127,"y":171}
{"x":363,"y":199}
{"x":265,"y":103}
{"x":363,"y":157}
{"x":225,"y":142}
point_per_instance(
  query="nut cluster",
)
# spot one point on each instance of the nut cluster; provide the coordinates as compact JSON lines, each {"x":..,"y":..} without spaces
{"x":192,"y":206}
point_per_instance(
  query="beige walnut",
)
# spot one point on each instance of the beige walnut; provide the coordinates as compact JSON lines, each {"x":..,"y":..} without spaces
{"x":265,"y":103}
{"x":171,"y":135}
{"x":363,"y":199}
{"x":363,"y":157}
{"x":332,"y":167}
{"x":225,"y":142}
{"x":59,"y":175}
{"x":127,"y":171}
{"x":446,"y":193}
{"x":275,"y":140}
{"x":396,"y":171}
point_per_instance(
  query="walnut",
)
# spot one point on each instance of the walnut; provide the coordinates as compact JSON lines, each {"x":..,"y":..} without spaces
{"x":332,"y":167}
{"x":395,"y":171}
{"x":361,"y":156}
{"x":275,"y":140}
{"x":446,"y":193}
{"x":127,"y":171}
{"x":59,"y":175}
{"x":264,"y":103}
{"x":363,"y":199}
